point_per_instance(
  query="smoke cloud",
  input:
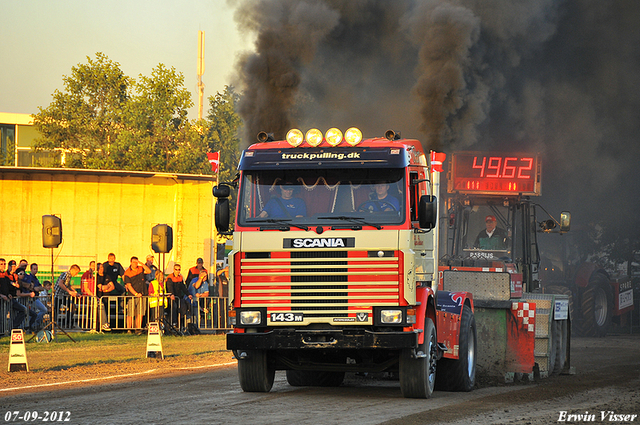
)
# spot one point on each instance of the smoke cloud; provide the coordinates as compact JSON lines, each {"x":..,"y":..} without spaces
{"x":556,"y":77}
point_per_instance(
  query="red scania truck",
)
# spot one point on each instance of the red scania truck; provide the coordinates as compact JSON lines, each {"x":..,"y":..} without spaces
{"x":334,"y":267}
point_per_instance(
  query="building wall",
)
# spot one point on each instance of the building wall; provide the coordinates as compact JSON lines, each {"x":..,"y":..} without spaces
{"x":103,"y":212}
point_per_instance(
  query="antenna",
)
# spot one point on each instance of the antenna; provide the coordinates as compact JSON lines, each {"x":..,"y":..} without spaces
{"x":200,"y":72}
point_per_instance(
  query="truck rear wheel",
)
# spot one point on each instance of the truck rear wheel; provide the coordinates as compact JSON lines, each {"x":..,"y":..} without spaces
{"x":313,"y":378}
{"x":418,"y":375}
{"x":597,"y":306}
{"x":255,"y":373}
{"x":460,"y":374}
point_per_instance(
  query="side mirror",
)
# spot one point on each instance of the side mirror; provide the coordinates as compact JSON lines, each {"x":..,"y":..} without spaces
{"x":221,"y":191}
{"x":222,"y":215}
{"x":565,"y":221}
{"x":428,"y":212}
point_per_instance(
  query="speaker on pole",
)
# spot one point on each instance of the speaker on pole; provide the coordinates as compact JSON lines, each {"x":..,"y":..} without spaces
{"x":161,"y":238}
{"x":51,"y":231}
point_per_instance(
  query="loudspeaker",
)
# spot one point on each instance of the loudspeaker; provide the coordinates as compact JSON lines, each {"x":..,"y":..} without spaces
{"x":162,"y":238}
{"x":51,"y":231}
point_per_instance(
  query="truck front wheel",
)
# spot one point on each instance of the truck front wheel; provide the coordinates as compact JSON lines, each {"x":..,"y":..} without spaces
{"x":418,"y":374}
{"x":460,"y":374}
{"x":255,"y":372}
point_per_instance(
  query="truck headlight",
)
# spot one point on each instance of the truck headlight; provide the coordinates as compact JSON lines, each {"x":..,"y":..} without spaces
{"x":250,"y":318}
{"x":391,"y":317}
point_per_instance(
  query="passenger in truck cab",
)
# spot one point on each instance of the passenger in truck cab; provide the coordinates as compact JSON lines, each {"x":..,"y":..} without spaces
{"x":492,"y":237}
{"x":285,"y":205}
{"x":380,"y":200}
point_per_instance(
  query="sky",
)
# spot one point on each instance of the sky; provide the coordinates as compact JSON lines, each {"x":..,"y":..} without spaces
{"x":41,"y":40}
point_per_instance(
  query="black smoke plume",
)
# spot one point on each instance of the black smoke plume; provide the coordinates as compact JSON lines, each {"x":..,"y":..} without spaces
{"x":560,"y":78}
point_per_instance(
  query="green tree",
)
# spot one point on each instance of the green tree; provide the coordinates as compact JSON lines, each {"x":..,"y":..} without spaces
{"x":223,"y":129}
{"x":85,"y":119}
{"x":156,"y":125}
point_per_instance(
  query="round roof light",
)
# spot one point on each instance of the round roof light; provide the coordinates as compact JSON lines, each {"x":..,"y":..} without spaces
{"x":313,"y":137}
{"x":295,"y":137}
{"x":353,"y":136}
{"x":333,"y":136}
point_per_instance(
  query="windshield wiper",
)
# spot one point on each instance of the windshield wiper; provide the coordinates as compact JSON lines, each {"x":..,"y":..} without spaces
{"x":357,"y":220}
{"x":285,"y":221}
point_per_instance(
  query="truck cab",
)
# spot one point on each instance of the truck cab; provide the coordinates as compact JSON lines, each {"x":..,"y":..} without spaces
{"x":333,"y":268}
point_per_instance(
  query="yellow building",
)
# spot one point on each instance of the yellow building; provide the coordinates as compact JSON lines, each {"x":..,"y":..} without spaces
{"x":104,"y":211}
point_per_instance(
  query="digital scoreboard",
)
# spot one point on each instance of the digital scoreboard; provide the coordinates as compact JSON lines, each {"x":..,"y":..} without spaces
{"x":494,"y":173}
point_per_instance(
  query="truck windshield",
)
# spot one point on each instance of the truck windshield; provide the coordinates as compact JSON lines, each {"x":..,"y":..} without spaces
{"x":336,"y":197}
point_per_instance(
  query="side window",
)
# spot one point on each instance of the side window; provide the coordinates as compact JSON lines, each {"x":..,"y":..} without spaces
{"x":414,"y":192}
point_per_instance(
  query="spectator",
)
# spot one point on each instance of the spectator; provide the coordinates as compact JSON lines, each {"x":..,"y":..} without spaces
{"x":194,"y":272}
{"x":64,"y":295}
{"x":178,"y":294}
{"x":11,"y":270}
{"x":137,"y":288}
{"x":148,"y":277}
{"x":112,"y":268}
{"x":9,"y":292}
{"x":23,"y":264}
{"x":223,"y":282}
{"x":199,"y":289}
{"x":105,"y":288}
{"x":88,"y":281}
{"x":157,"y":299}
{"x":37,"y":310}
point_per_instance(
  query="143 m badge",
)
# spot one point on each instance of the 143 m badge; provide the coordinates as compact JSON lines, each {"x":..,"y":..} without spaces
{"x":286,"y":317}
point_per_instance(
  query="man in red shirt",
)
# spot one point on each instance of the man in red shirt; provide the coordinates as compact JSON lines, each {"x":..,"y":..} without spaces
{"x":137,"y":288}
{"x":88,"y":281}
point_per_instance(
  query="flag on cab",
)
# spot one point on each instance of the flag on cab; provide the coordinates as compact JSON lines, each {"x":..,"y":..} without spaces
{"x":437,"y":159}
{"x":214,"y":160}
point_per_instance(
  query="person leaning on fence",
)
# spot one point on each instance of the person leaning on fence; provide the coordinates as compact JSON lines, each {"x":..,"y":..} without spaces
{"x":199,"y":289}
{"x":179,"y":295}
{"x":157,"y":298}
{"x":64,"y":296}
{"x":36,"y":309}
{"x":9,"y":292}
{"x":137,"y":288}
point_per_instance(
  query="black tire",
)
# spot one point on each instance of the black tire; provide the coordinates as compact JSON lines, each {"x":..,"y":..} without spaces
{"x":418,"y":375}
{"x":561,"y":345}
{"x":597,"y":307}
{"x":460,"y":374}
{"x":306,"y":378}
{"x":255,"y":372}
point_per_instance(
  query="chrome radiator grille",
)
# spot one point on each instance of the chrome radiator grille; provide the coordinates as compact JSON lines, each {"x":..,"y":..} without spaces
{"x":320,"y":284}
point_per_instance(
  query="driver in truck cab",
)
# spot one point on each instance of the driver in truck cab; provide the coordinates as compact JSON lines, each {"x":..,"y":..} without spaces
{"x":492,"y":237}
{"x":285,"y":205}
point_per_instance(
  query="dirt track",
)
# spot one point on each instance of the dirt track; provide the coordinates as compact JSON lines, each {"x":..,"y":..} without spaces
{"x":607,"y":379}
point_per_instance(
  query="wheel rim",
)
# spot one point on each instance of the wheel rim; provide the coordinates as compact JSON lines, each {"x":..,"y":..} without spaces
{"x":432,"y":361}
{"x":600,"y":307}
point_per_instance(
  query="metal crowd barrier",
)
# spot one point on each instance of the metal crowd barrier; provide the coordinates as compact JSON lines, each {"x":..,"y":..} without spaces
{"x":209,"y":314}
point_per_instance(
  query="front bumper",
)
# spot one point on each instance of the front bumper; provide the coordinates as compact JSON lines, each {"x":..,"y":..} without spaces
{"x":340,"y":339}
